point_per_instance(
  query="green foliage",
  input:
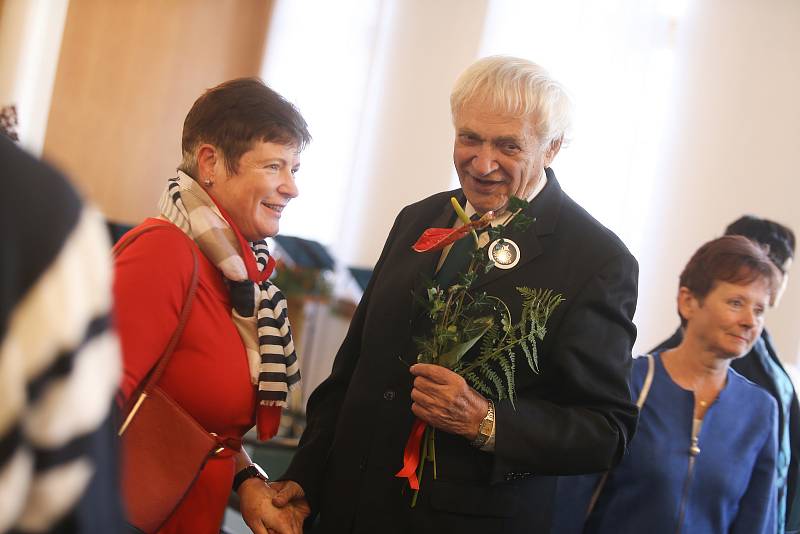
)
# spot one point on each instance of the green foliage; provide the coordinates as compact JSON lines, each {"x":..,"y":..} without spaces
{"x":520,"y":222}
{"x":478,"y":383}
{"x":301,"y":281}
{"x":516,"y":203}
{"x":461,"y":319}
{"x":508,"y":366}
{"x":497,"y":349}
{"x":476,"y":330}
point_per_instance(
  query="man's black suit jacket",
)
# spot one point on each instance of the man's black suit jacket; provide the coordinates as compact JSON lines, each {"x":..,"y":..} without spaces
{"x":751,"y":367}
{"x":575,"y":416}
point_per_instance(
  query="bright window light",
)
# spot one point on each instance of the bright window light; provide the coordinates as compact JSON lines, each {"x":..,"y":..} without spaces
{"x":615,"y":58}
{"x":322,"y":64}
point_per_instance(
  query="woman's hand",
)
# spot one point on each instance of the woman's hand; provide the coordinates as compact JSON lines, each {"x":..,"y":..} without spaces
{"x":261,"y":515}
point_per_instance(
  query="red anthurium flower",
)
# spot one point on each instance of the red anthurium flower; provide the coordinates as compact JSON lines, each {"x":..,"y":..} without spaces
{"x":434,"y":239}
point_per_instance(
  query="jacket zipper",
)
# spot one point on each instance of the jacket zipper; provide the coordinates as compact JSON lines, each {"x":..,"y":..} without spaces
{"x":694,"y":450}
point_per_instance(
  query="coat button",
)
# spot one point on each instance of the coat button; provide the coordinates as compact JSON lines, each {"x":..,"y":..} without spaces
{"x":388,"y":395}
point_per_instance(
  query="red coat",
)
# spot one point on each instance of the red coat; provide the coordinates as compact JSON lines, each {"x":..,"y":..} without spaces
{"x":208,"y":374}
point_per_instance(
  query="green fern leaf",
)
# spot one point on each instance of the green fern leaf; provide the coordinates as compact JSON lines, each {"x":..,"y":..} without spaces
{"x":490,"y":339}
{"x":533,"y":361}
{"x":500,"y":390}
{"x":506,"y":365}
{"x":529,"y":355}
{"x":478,"y":383}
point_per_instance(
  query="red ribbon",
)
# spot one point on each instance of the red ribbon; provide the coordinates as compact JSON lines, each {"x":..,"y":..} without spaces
{"x":411,"y":454}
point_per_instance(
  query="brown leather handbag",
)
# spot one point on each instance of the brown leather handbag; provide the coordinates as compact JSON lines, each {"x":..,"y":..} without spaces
{"x":163,"y":447}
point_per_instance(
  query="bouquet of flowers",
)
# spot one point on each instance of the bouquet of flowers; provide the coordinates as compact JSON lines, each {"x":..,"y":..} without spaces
{"x":462,"y":319}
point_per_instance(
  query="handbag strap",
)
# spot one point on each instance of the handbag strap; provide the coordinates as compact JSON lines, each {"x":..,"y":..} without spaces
{"x":158,"y":369}
{"x":648,"y":381}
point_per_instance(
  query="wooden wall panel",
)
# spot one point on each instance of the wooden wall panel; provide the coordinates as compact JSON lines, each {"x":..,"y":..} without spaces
{"x":127,"y":75}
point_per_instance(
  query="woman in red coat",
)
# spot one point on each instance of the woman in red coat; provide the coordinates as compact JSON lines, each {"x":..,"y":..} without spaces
{"x":235,"y":361}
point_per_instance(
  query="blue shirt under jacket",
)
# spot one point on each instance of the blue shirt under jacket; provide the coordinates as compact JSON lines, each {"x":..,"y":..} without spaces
{"x":731,"y":489}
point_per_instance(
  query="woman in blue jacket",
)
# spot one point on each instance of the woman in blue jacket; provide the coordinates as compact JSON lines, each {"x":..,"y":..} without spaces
{"x":703,"y":458}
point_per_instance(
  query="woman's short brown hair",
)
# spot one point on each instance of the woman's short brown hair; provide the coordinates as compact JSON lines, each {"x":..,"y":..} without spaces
{"x":234,"y":114}
{"x":731,"y":258}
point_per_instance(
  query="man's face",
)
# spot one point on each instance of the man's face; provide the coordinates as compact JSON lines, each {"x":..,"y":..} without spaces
{"x":497,"y":156}
{"x":784,"y":269}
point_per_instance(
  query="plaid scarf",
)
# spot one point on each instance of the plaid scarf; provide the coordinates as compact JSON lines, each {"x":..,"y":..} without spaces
{"x":259,"y":307}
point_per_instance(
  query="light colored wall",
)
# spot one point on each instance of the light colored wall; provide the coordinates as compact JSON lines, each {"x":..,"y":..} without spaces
{"x":734,"y":144}
{"x":30,"y":40}
{"x":127,"y":75}
{"x":407,"y":146}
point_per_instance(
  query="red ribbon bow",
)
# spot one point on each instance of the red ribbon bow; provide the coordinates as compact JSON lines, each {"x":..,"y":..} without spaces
{"x":411,"y":455}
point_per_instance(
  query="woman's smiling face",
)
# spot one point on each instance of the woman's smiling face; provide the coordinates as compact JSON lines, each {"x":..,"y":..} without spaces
{"x":729,"y":319}
{"x":257,"y":193}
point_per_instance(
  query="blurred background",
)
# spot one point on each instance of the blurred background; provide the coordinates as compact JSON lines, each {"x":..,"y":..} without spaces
{"x":687,"y":117}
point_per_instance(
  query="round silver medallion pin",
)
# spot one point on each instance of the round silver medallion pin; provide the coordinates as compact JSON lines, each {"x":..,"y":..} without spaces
{"x":504,"y":253}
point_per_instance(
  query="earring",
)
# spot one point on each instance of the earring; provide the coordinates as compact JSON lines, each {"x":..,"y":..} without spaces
{"x":208,"y":182}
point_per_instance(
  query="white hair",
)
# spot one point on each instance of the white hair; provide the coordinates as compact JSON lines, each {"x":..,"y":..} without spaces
{"x":517,"y":87}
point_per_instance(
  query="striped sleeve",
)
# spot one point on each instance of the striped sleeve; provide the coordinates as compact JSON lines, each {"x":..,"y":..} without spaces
{"x":59,"y":369}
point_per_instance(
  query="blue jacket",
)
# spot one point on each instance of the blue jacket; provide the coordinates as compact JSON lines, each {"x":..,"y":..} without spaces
{"x":731,"y":489}
{"x":763,"y":367}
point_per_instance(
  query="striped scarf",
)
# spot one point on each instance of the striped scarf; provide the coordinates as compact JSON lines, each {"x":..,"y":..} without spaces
{"x":259,"y":307}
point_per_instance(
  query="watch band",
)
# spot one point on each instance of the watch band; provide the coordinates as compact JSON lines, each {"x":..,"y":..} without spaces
{"x":251,"y":471}
{"x":485,"y":428}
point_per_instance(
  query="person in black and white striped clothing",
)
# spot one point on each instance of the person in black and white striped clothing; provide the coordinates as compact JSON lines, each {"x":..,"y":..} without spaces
{"x":59,"y":359}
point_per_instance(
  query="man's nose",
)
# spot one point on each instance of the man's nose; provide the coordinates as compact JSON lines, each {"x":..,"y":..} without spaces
{"x":484,"y":161}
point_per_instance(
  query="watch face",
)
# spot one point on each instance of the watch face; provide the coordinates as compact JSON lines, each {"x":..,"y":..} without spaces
{"x":485,"y":428}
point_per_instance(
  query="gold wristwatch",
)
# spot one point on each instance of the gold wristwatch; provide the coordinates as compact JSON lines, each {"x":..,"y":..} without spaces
{"x":485,"y":428}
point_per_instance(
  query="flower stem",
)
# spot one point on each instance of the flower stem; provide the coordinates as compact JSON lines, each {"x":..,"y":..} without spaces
{"x":443,"y":324}
{"x":463,"y":291}
{"x":421,"y":467}
{"x":433,"y":451}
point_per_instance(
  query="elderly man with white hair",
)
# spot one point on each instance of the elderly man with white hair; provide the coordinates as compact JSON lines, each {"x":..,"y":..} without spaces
{"x":496,"y":460}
